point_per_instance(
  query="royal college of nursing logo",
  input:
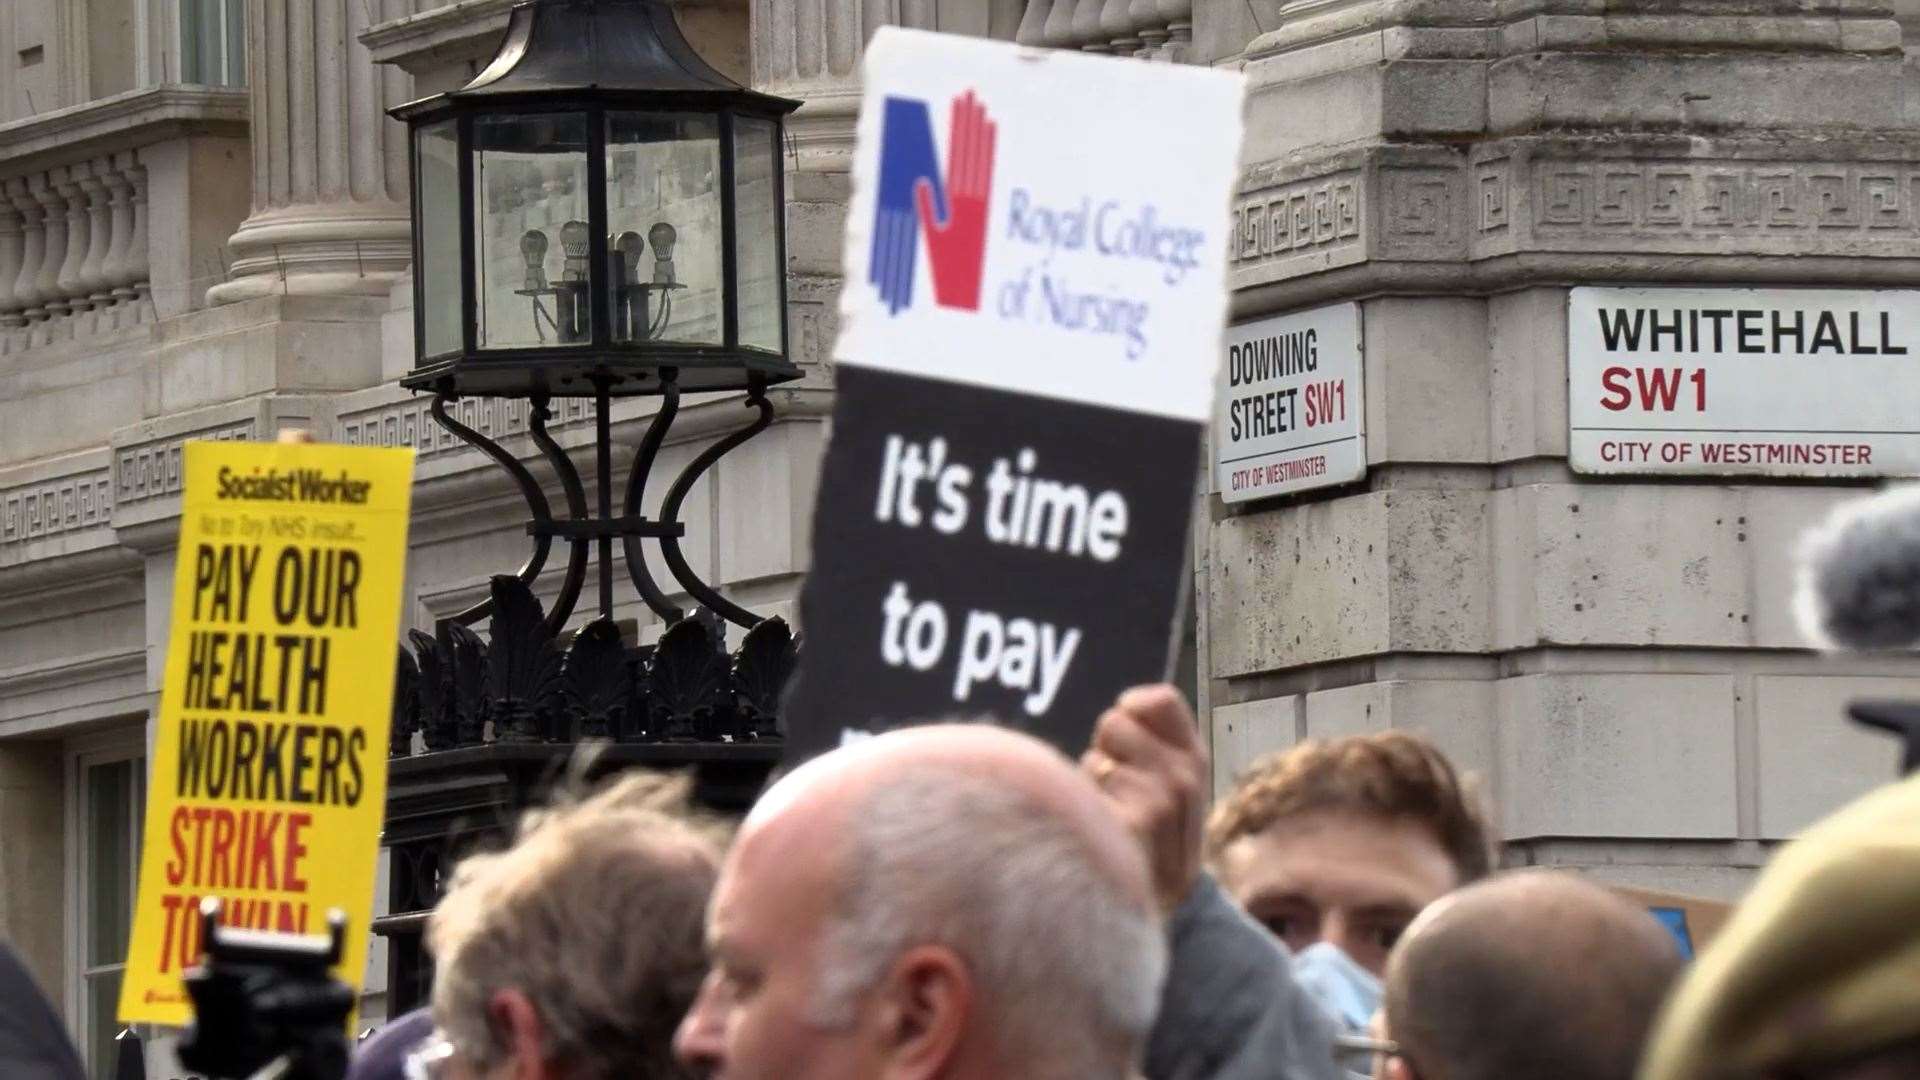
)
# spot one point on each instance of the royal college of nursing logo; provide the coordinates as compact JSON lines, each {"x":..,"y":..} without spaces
{"x":916,"y":198}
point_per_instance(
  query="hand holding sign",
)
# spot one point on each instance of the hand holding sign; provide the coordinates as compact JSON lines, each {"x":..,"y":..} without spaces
{"x":1148,"y":759}
{"x":956,"y":223}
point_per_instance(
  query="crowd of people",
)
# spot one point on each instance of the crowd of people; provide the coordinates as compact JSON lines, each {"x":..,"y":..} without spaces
{"x":963,"y":902}
{"x":951,"y":902}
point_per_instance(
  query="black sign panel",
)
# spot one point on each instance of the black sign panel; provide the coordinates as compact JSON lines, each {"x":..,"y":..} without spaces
{"x":983,"y":553}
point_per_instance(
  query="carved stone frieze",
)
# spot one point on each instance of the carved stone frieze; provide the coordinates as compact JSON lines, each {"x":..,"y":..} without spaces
{"x":1425,"y":208}
{"x":1402,"y":205}
{"x":1277,"y":222}
{"x":51,"y":507}
{"x":409,"y":422}
{"x":1491,"y":199}
{"x":1724,"y":197}
{"x":152,"y":470}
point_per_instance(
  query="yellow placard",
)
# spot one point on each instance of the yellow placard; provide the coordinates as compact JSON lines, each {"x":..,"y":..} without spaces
{"x":269,"y":775}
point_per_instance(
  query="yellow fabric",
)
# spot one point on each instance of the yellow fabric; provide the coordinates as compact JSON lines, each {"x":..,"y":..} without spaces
{"x":1822,"y":960}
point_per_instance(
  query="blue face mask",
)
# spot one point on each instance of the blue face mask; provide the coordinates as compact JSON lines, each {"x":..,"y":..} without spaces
{"x":1344,"y":990}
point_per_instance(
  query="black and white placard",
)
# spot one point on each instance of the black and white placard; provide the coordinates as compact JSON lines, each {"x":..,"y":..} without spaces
{"x":1031,"y":325}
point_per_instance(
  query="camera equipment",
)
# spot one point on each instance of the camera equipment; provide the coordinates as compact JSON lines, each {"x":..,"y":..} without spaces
{"x":264,"y":1004}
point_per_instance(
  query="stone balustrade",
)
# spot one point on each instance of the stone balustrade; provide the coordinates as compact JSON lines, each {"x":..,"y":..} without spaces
{"x":1145,"y":29}
{"x":73,"y":247}
{"x":90,"y":195}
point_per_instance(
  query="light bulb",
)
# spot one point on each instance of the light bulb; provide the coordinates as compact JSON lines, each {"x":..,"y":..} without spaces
{"x":533,"y":248}
{"x":630,"y":247}
{"x":574,"y":242}
{"x":663,"y":236}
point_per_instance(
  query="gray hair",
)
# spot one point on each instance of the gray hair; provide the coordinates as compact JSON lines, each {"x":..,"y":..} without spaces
{"x":1069,"y":967}
{"x":596,"y":913}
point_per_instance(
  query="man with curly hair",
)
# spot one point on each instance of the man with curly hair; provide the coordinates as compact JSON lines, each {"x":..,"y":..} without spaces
{"x":1345,"y":841}
{"x":575,"y":952}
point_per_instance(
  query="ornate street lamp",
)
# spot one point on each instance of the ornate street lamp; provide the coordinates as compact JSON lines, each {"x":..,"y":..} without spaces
{"x":598,"y":214}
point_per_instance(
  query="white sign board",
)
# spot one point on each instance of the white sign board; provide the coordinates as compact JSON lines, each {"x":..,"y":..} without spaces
{"x":1291,"y":413}
{"x":1772,"y":382}
{"x":1008,"y":241}
{"x":1030,"y":322}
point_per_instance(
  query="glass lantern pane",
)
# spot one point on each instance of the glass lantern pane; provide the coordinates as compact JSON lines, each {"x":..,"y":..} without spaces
{"x":756,"y":208}
{"x":437,"y":196}
{"x":530,"y":230}
{"x":663,"y":209}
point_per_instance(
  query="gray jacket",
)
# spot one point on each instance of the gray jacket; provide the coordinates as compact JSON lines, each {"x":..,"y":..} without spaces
{"x":1231,"y":1010}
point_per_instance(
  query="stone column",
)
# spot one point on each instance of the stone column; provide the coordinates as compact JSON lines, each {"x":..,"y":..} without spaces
{"x":1086,"y":26}
{"x":72,"y":280}
{"x":1150,"y":27}
{"x":1057,"y":31}
{"x":330,"y":211}
{"x":1178,"y":15}
{"x":1616,"y":655}
{"x":135,"y":285}
{"x":1117,"y":27}
{"x":33,"y":249}
{"x":810,"y":50}
{"x":12,"y":250}
{"x":50,"y":302}
{"x":93,"y":271}
{"x":117,"y":270}
{"x":1033,"y":23}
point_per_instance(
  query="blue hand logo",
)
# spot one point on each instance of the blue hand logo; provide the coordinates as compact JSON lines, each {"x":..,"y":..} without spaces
{"x":907,"y":159}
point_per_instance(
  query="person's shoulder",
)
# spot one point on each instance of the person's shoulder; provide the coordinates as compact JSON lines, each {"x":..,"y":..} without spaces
{"x":1231,"y":1010}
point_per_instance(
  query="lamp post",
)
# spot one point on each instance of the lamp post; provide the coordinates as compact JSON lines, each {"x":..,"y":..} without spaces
{"x":598,"y":214}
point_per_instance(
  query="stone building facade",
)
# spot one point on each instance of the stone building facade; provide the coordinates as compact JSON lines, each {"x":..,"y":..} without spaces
{"x":204,"y":235}
{"x":1616,"y":656}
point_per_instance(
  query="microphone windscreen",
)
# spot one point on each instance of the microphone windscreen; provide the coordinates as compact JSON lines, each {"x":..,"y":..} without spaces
{"x":1859,"y":576}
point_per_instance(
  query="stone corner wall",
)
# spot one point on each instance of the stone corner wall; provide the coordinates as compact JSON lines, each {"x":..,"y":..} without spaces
{"x":1614,"y":655}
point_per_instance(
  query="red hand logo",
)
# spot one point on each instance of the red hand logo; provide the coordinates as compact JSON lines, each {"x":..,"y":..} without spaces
{"x":957,"y":232}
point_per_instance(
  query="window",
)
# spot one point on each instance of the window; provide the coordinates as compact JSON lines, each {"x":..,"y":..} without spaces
{"x":213,"y":42}
{"x":111,"y":793}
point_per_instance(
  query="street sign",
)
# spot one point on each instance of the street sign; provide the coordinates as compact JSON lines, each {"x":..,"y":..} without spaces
{"x":1764,"y":382}
{"x":1291,"y":414}
{"x":270,"y":756}
{"x":1031,"y":314}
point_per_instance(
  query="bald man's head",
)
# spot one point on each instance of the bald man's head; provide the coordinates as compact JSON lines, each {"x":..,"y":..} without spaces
{"x":960,"y":841}
{"x":1532,"y":974}
{"x":834,"y":785}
